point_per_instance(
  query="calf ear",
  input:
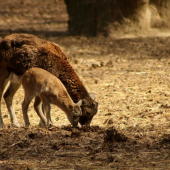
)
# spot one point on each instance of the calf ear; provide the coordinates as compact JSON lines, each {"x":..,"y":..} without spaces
{"x":79,"y":103}
{"x":92,"y":95}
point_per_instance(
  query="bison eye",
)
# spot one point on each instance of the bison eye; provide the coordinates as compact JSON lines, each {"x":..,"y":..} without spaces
{"x":88,"y":114}
{"x":74,"y":116}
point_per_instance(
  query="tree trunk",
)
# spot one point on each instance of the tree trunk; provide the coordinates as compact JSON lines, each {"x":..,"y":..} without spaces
{"x":93,"y":17}
{"x":81,"y":16}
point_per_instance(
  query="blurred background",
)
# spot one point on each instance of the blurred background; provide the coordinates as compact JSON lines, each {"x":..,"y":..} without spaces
{"x":91,"y":17}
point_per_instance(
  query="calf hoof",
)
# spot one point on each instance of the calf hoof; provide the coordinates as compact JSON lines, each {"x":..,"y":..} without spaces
{"x":15,"y":125}
{"x":41,"y":124}
{"x":49,"y":124}
{"x":27,"y":126}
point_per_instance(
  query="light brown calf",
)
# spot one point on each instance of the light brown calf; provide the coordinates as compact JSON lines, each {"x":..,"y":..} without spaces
{"x":47,"y":89}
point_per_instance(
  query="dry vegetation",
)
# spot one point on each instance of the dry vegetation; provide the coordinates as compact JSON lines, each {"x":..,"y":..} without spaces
{"x":130,"y":78}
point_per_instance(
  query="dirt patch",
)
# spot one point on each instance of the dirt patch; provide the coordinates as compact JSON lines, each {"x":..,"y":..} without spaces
{"x":56,"y":147}
{"x":92,"y":148}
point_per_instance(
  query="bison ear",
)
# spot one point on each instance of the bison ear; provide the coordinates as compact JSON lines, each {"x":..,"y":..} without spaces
{"x":85,"y":102}
{"x":79,"y":103}
{"x":92,"y":95}
{"x":95,"y":103}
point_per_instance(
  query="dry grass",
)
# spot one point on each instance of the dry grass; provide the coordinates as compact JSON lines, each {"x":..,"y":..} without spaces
{"x":133,"y":95}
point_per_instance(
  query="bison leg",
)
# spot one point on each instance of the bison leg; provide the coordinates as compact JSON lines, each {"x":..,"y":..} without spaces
{"x":8,"y":96}
{"x":4,"y":78}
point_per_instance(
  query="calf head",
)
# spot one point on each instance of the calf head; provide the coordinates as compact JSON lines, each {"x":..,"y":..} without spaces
{"x":75,"y":113}
{"x":89,"y":109}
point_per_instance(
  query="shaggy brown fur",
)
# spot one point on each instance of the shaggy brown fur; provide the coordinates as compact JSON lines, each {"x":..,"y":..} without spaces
{"x":19,"y":52}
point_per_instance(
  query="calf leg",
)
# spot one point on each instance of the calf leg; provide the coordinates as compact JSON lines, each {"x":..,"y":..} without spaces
{"x":8,"y":96}
{"x":41,"y":123}
{"x":25,"y":104}
{"x":47,"y":108}
{"x":38,"y":109}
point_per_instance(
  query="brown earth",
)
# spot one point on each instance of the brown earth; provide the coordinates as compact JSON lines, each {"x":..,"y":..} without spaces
{"x":130,"y":77}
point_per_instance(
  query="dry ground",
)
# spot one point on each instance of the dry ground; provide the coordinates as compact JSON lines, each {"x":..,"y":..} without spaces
{"x":130,"y":78}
